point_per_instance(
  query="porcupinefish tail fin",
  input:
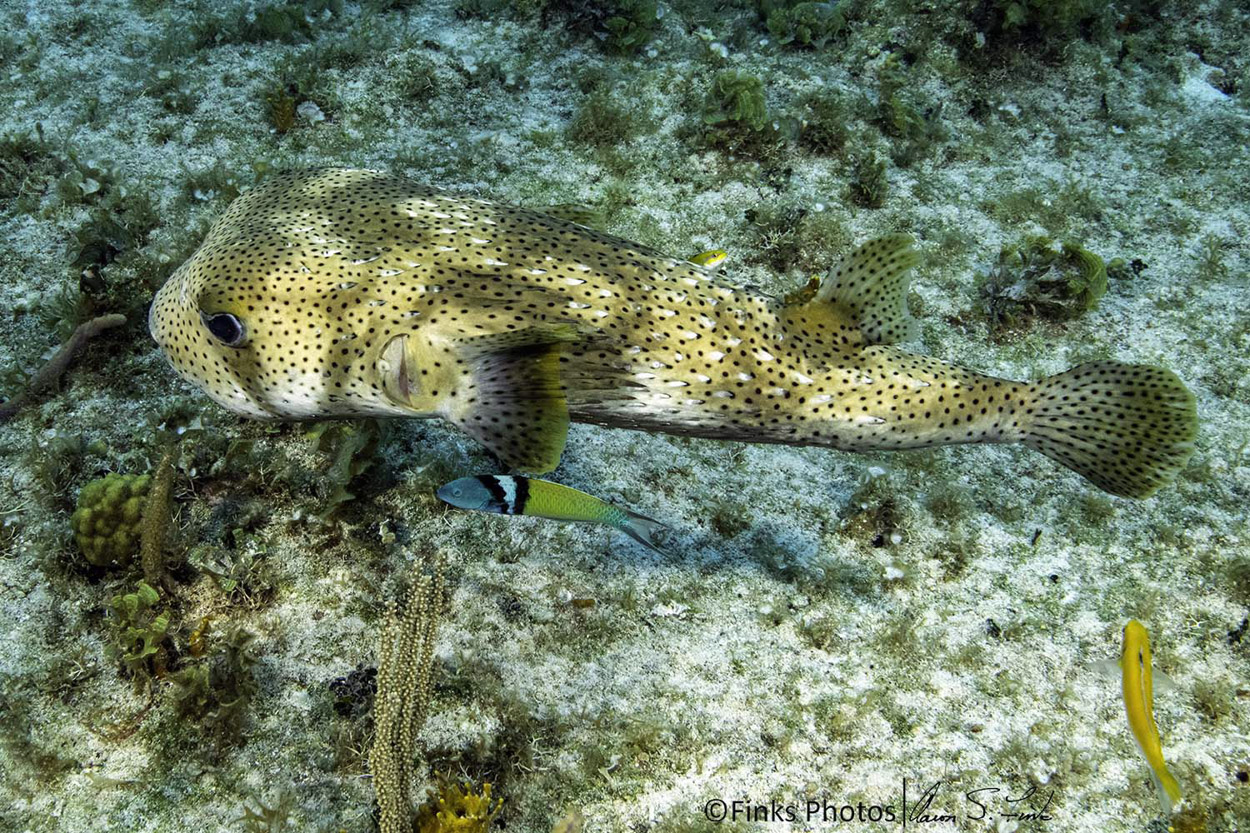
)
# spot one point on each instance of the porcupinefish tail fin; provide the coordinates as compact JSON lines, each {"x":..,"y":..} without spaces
{"x":517,"y":406}
{"x":641,"y":529}
{"x":870,"y":285}
{"x":1127,"y":428}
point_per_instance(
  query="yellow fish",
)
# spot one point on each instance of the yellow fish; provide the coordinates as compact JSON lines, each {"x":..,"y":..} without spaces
{"x":710,"y":259}
{"x":341,"y":292}
{"x":1138,"y":685}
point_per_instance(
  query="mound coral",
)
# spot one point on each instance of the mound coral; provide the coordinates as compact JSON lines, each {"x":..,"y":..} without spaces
{"x":109,"y":517}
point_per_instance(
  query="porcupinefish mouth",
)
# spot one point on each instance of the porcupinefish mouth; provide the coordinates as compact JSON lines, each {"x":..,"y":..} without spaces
{"x":397,"y":377}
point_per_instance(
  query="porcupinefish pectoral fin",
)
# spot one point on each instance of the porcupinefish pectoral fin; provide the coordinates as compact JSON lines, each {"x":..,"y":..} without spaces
{"x":870,"y":285}
{"x":515,"y":404}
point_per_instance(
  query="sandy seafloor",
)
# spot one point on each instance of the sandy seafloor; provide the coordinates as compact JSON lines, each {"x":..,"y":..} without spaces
{"x":778,"y":652}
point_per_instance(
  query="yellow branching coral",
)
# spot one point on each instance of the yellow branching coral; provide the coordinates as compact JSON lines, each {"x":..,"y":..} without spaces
{"x":457,"y":809}
{"x":403,"y":698}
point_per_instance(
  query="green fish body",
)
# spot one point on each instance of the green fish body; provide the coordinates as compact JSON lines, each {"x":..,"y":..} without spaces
{"x":340,"y":293}
{"x":510,"y":495}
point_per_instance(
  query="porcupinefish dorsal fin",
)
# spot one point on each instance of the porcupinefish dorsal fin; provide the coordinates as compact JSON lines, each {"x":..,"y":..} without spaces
{"x":515,"y":402}
{"x":870,"y":285}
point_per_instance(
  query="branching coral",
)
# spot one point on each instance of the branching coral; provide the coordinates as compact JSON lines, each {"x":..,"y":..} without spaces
{"x":156,"y":516}
{"x":456,"y":809}
{"x":622,"y":26}
{"x":403,"y":697}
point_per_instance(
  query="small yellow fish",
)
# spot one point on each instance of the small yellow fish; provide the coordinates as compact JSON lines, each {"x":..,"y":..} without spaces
{"x":513,"y":495}
{"x":1139,"y":706}
{"x":338,"y":293}
{"x":710,"y":260}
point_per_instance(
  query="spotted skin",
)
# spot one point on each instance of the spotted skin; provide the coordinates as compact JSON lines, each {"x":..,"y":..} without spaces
{"x":357,"y":293}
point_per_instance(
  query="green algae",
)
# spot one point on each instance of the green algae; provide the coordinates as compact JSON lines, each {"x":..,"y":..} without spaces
{"x":736,"y":101}
{"x":802,"y":23}
{"x":138,"y":633}
{"x":1038,"y":279}
{"x":351,"y":447}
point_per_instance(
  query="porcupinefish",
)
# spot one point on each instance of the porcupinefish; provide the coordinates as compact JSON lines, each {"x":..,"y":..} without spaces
{"x":341,"y":292}
{"x":1138,"y":687}
{"x":510,"y":495}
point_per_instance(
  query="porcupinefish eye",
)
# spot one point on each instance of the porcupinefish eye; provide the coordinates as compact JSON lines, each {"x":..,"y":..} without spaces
{"x":225,"y":328}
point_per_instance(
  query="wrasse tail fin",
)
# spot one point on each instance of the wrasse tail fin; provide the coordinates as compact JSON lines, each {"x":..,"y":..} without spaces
{"x":870,"y":284}
{"x":515,"y":405}
{"x":1168,"y":789}
{"x":641,"y":529}
{"x":1127,"y":428}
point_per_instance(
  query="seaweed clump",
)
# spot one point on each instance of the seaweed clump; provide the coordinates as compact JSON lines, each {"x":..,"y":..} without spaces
{"x":138,"y":632}
{"x":351,"y":446}
{"x":869,"y":185}
{"x":823,"y":123}
{"x":916,"y":131}
{"x":802,"y":23}
{"x":354,"y":692}
{"x":1048,"y":26}
{"x":218,"y":688}
{"x":1037,"y":279}
{"x":282,"y":22}
{"x":27,"y":163}
{"x":622,"y":27}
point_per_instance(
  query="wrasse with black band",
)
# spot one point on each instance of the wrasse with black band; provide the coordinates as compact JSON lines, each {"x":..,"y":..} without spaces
{"x":506,"y":495}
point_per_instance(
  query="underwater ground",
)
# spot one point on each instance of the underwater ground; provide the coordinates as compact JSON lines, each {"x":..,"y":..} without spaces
{"x":825,"y":624}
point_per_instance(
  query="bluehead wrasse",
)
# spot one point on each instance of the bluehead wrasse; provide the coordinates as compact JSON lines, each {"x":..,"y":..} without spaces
{"x":710,"y":259}
{"x":512,"y":495}
{"x":1139,"y":706}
